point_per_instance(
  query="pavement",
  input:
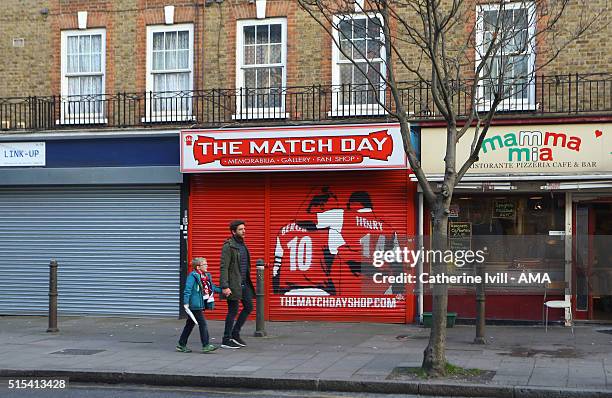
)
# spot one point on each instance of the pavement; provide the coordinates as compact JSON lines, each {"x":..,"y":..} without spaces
{"x":521,"y":361}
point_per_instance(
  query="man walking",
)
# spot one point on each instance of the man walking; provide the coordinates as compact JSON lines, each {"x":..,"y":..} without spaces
{"x":236,"y":284}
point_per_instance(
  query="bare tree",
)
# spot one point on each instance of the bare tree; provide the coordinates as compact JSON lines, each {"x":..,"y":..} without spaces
{"x":459,"y":50}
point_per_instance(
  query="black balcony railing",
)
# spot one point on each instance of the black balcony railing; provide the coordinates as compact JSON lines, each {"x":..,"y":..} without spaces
{"x":559,"y":95}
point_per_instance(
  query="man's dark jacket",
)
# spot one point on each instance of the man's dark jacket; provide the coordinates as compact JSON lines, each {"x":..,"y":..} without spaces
{"x":230,"y":269}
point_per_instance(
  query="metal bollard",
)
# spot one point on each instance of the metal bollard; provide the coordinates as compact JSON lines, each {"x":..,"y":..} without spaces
{"x":260,"y":323}
{"x":480,"y":305}
{"x":53,"y":297}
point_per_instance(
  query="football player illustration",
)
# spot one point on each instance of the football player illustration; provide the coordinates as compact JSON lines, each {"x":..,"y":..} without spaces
{"x":306,"y":247}
{"x":363,"y":233}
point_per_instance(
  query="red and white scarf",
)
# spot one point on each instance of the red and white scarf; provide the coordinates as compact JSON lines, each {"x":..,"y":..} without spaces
{"x":206,"y":285}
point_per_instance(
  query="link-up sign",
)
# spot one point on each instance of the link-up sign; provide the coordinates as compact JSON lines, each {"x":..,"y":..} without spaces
{"x":22,"y":154}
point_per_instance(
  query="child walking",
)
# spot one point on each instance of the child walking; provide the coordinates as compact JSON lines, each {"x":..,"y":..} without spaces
{"x":198,"y":296}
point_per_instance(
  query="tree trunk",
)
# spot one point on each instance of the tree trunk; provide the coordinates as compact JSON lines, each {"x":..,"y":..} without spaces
{"x":434,"y":357}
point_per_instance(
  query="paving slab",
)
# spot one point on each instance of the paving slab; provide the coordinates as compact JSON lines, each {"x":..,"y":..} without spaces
{"x":318,"y":363}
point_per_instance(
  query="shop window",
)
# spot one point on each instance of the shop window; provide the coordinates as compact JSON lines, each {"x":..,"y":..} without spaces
{"x":521,"y":233}
{"x":358,"y":65}
{"x":261,"y":54}
{"x":169,"y":73}
{"x":83,"y":56}
{"x":510,"y":29}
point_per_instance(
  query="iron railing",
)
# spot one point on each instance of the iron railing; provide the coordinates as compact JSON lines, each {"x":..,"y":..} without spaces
{"x":559,"y":95}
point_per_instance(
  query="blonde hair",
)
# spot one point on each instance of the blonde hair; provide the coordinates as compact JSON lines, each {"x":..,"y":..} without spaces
{"x":197,"y":261}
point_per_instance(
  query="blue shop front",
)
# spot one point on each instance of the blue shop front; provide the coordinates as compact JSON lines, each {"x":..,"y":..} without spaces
{"x":107,"y":207}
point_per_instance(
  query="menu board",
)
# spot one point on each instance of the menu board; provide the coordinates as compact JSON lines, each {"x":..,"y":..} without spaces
{"x":504,"y":209}
{"x":460,"y":235}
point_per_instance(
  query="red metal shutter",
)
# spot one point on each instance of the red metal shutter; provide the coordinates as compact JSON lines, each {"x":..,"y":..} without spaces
{"x":303,"y":256}
{"x":214,"y":201}
{"x":282,"y":213}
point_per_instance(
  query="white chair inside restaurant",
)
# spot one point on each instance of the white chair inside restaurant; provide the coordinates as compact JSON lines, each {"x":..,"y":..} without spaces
{"x":561,"y":304}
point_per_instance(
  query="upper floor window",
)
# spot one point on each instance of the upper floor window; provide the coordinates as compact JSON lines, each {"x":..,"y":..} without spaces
{"x":83,"y":54}
{"x":510,"y":29}
{"x":358,"y":66}
{"x":169,"y":72}
{"x":261,"y":55}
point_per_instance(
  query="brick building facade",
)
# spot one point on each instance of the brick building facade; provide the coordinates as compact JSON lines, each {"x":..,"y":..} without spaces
{"x":32,"y":66}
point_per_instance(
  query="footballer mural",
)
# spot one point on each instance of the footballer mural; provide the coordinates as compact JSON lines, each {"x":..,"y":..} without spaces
{"x":326,"y":249}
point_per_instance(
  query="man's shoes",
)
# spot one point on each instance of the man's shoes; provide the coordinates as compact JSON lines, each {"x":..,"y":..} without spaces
{"x":236,"y":339}
{"x":207,"y":349}
{"x":230,"y":343}
{"x":182,"y":348}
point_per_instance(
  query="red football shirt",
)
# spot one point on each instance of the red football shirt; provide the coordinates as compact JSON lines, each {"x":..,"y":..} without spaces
{"x":302,"y":259}
{"x":363,"y":233}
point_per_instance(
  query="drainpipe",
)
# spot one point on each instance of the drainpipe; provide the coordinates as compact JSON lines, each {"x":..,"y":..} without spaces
{"x":420,"y":261}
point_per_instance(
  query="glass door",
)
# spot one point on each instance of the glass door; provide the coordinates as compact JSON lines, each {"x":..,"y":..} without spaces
{"x":593,"y":259}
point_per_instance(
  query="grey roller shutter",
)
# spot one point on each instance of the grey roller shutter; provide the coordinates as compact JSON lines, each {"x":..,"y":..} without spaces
{"x":117,"y":249}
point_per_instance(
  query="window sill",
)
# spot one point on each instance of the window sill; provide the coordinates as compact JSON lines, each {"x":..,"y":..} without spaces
{"x":82,"y":120}
{"x":168,"y":118}
{"x":351,"y":111}
{"x":261,"y":114}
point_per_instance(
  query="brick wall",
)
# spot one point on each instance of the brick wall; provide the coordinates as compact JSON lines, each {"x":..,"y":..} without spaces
{"x":35,"y":68}
{"x":590,"y":53}
{"x":25,"y":70}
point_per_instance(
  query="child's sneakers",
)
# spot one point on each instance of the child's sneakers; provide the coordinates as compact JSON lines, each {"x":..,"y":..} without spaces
{"x":207,"y":349}
{"x":182,"y":348}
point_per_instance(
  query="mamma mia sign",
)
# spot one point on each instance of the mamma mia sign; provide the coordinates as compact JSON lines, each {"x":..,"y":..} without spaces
{"x":541,"y":149}
{"x":531,"y":145}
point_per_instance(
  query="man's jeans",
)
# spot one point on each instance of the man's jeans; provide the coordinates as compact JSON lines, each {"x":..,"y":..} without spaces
{"x":199,"y":316}
{"x":232,"y":329}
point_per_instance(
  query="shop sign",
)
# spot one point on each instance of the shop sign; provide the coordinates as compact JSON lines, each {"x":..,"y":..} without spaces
{"x":293,"y":148}
{"x":542,"y":149}
{"x":22,"y":154}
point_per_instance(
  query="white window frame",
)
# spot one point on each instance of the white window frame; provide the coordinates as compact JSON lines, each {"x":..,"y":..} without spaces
{"x":355,"y":109}
{"x":242,"y":111}
{"x":167,"y":116}
{"x":508,"y":104}
{"x":81,"y":118}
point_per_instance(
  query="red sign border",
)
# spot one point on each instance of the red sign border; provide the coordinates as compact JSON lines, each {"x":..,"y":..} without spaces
{"x":285,"y":168}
